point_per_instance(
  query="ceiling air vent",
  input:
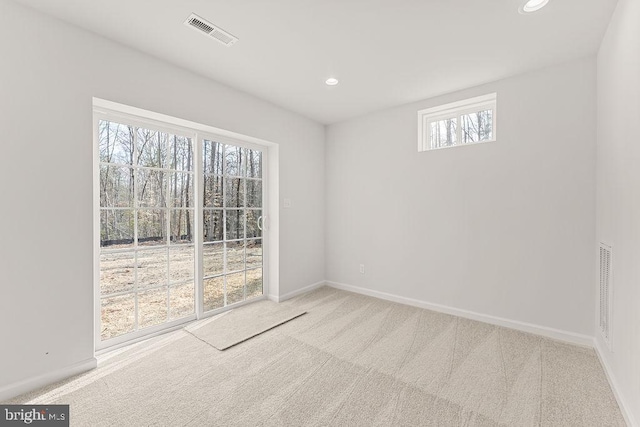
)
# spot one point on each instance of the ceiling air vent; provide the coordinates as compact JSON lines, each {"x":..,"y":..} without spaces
{"x":206,"y":27}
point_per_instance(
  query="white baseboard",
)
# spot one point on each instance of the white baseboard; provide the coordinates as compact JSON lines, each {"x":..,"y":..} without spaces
{"x":280,"y":298}
{"x":622,"y":403}
{"x":25,"y":386}
{"x":570,"y":337}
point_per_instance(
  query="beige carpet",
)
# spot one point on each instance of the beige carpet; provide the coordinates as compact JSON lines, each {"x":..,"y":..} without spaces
{"x":239,"y":325}
{"x":350,"y":361}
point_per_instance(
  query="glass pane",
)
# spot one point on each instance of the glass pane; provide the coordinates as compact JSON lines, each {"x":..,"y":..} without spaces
{"x":152,"y":268}
{"x":234,"y":161}
{"x":152,"y":228}
{"x":116,"y":228}
{"x":116,"y":143}
{"x":443,"y":133}
{"x":234,"y":192}
{"x":180,"y":153}
{"x":235,"y":256}
{"x":213,"y":191}
{"x":152,"y":148}
{"x":254,"y":283}
{"x":181,"y":263}
{"x":213,"y":293}
{"x":254,"y":222}
{"x":212,"y":157}
{"x":117,"y":272}
{"x":235,"y":287}
{"x":116,"y":186}
{"x":212,"y":259}
{"x":254,"y":253}
{"x":182,"y":225}
{"x":212,"y":225}
{"x":152,"y":187}
{"x":254,"y":193}
{"x":254,"y":164}
{"x":477,"y":127}
{"x":181,"y":190}
{"x":152,"y":307}
{"x":235,"y":224}
{"x":181,"y":300}
{"x":117,"y":316}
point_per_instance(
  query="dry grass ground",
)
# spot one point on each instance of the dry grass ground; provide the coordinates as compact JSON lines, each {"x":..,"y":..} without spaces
{"x":165,"y":283}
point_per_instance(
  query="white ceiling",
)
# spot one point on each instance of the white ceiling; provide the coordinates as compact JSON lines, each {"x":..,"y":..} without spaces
{"x":384,"y":52}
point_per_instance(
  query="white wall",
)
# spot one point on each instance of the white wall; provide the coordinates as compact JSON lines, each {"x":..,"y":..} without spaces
{"x":618,"y":193}
{"x":504,"y":229}
{"x":48,"y":75}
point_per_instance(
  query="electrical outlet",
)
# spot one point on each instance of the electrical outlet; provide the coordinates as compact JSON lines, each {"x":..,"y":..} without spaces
{"x":361,"y":268}
{"x":288,"y":203}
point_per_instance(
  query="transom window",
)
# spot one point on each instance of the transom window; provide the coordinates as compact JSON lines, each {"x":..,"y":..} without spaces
{"x":470,"y":121}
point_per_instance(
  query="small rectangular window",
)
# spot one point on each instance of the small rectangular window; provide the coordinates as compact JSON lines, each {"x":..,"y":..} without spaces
{"x":470,"y":121}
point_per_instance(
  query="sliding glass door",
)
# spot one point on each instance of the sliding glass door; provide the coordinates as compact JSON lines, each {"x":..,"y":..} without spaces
{"x":232,"y":224}
{"x":146,"y":229}
{"x":180,"y":226}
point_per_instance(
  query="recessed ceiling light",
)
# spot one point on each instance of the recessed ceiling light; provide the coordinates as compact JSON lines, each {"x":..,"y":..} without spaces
{"x":533,"y":5}
{"x":331,"y":81}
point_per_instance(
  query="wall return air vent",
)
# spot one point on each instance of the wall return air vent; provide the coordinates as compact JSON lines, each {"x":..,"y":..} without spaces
{"x":606,"y":293}
{"x":205,"y":27}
